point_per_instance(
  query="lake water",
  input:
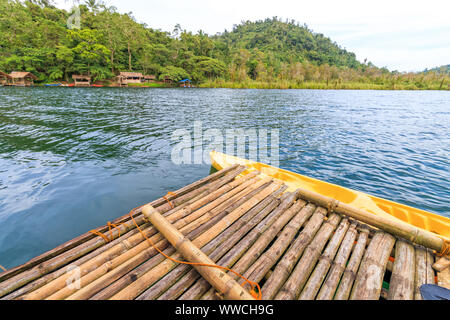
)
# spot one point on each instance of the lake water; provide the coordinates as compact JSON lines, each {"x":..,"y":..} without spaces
{"x":72,"y":159}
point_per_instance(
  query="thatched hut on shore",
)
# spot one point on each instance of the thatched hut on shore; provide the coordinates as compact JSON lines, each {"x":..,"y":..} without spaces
{"x":81,"y":80}
{"x":124,"y":78}
{"x":5,"y":79}
{"x":167,"y":80}
{"x":149,"y":78}
{"x":22,"y":78}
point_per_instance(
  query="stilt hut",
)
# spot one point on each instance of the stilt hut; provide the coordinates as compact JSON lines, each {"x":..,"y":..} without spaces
{"x":167,"y":80}
{"x":22,"y":79}
{"x":149,"y":78}
{"x":81,"y":80}
{"x":185,"y":83}
{"x":124,"y":78}
{"x":5,"y":79}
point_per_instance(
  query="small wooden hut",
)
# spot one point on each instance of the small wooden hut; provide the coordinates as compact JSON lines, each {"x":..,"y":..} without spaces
{"x":185,"y":83}
{"x":81,"y":80}
{"x":124,"y":78}
{"x":167,"y":80}
{"x":22,"y":79}
{"x":5,"y":79}
{"x":149,"y":78}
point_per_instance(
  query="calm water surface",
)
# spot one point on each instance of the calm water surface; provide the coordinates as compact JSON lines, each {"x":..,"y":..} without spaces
{"x":72,"y":158}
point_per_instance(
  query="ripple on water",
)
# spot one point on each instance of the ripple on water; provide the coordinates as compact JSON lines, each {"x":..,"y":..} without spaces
{"x":73,"y":158}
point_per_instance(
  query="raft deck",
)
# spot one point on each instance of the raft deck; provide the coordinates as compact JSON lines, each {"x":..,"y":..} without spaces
{"x":293,"y":248}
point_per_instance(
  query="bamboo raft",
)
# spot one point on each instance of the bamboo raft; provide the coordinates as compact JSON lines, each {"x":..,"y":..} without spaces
{"x":294,"y":245}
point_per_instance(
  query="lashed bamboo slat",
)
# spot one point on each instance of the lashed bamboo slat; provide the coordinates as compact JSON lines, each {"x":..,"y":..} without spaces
{"x":260,"y":268}
{"x":72,"y":254}
{"x":297,"y":279}
{"x":261,"y":244}
{"x":337,"y":269}
{"x":264,"y":240}
{"x":346,"y":283}
{"x":394,"y":227}
{"x":320,"y":271}
{"x":128,"y":247}
{"x":424,"y":273}
{"x":98,"y":279}
{"x":171,"y":286}
{"x":87,"y":236}
{"x":201,"y":225}
{"x":268,"y":215}
{"x":290,"y":258}
{"x":219,"y":279}
{"x":369,"y":279}
{"x":401,"y":286}
{"x":137,"y":287}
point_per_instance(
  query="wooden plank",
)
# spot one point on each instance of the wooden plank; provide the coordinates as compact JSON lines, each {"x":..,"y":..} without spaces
{"x":402,"y":279}
{"x":369,"y":279}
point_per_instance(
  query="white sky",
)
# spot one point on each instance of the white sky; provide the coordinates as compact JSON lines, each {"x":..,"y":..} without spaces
{"x":401,"y":35}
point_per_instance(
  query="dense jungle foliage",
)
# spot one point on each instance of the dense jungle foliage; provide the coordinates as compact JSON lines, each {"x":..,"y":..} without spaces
{"x":38,"y":37}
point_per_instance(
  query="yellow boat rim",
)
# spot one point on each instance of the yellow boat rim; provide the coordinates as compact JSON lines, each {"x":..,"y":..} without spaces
{"x":431,"y":222}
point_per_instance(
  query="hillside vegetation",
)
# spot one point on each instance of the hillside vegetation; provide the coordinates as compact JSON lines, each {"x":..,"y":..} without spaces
{"x":271,"y":53}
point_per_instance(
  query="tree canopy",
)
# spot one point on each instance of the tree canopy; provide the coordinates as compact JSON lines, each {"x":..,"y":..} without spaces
{"x":38,"y":37}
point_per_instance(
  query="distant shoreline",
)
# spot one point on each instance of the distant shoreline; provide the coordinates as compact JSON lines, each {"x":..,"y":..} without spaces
{"x":253,"y":84}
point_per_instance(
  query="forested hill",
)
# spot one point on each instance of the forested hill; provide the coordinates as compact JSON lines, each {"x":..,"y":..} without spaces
{"x":288,"y":42}
{"x":38,"y":37}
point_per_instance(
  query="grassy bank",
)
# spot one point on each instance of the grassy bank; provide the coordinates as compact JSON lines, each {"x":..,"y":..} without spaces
{"x":147,"y":85}
{"x":285,"y":84}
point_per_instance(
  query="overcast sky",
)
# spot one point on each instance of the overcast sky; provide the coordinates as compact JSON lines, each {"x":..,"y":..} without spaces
{"x":401,"y":35}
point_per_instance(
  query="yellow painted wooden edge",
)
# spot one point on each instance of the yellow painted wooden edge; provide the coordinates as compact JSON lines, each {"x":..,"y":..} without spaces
{"x":437,"y":224}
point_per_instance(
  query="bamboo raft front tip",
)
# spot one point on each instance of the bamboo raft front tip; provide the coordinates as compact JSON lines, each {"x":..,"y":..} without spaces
{"x":294,"y":248}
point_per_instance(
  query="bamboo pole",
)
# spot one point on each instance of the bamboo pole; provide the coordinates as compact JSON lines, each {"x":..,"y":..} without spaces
{"x":263,"y":265}
{"x":126,"y":268}
{"x":233,"y":203}
{"x":345,"y":286}
{"x":401,"y":286}
{"x":288,"y":261}
{"x":133,"y":245}
{"x":424,"y":272}
{"x":394,"y":227}
{"x":290,"y":209}
{"x":320,"y":270}
{"x":68,"y":256}
{"x":337,"y":269}
{"x":87,"y":236}
{"x":138,"y":254}
{"x":294,"y":284}
{"x":137,"y":287}
{"x":215,"y":276}
{"x":264,"y":219}
{"x":369,"y":280}
{"x":214,"y":249}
